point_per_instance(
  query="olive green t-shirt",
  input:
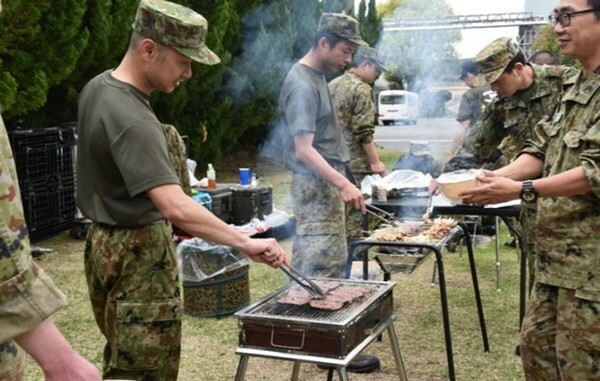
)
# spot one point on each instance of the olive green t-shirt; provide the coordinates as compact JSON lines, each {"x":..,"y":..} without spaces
{"x":121,"y":154}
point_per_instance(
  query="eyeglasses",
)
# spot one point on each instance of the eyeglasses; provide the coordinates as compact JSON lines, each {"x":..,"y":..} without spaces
{"x":564,"y":18}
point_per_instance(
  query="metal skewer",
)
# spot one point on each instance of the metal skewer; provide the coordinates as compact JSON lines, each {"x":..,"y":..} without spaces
{"x":310,"y":286}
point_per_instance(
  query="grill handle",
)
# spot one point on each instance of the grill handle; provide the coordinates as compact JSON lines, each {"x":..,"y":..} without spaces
{"x":288,"y":346}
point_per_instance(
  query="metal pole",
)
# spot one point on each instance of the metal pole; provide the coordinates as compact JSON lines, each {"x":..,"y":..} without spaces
{"x":497,"y":220}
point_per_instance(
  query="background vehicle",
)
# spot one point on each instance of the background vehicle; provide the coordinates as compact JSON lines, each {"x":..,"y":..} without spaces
{"x":397,"y":106}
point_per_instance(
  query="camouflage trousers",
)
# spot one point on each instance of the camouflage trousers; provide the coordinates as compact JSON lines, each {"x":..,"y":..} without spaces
{"x":12,"y":361}
{"x":319,"y":248}
{"x":354,"y":218}
{"x":133,"y":282}
{"x":559,"y":336}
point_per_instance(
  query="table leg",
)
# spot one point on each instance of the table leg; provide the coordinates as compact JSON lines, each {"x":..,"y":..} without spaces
{"x":445,"y":315}
{"x":497,"y":220}
{"x":241,"y":369}
{"x":523,"y":270}
{"x":469,"y":244}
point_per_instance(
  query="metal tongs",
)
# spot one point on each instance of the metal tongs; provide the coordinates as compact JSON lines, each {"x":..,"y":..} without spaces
{"x":388,"y":219}
{"x":313,"y":289}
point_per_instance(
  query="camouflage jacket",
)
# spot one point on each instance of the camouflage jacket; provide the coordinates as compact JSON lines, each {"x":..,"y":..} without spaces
{"x":567,"y":231}
{"x":355,"y":111}
{"x":27,"y":295}
{"x":499,"y":136}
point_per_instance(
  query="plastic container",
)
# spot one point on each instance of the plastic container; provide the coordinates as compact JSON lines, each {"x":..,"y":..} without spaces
{"x":211,"y":175}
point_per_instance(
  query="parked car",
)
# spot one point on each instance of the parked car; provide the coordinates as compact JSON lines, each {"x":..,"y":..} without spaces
{"x":397,"y":106}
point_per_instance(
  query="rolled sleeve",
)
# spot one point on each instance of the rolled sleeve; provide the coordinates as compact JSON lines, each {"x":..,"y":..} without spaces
{"x":27,"y":299}
{"x":590,"y":158}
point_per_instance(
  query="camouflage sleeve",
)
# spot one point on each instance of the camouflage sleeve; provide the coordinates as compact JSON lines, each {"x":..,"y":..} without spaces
{"x":590,"y":157}
{"x":27,"y":295}
{"x":177,"y":156}
{"x":481,"y":140}
{"x":363,"y":124}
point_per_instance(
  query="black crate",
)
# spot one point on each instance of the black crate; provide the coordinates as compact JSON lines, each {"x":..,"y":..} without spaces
{"x":250,"y":202}
{"x":44,"y":161}
{"x":222,"y":201}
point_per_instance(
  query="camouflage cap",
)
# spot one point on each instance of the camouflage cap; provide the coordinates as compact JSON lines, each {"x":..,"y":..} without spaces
{"x":341,"y":25}
{"x":494,"y":58}
{"x":370,"y":54}
{"x":176,"y":26}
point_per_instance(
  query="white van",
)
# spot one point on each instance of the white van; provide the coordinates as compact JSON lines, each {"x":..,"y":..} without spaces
{"x":397,"y":106}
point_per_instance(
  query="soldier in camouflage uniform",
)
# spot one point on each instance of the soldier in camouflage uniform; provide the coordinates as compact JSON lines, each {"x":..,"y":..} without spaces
{"x":28,"y":297}
{"x":526,"y":93}
{"x":129,"y":188}
{"x":353,"y":101}
{"x":559,"y":336}
{"x":316,"y":152}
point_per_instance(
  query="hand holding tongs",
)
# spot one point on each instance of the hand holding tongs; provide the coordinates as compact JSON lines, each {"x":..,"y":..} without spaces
{"x":388,"y":219}
{"x":313,"y":289}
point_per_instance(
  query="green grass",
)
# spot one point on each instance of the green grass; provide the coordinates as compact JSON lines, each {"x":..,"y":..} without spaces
{"x":208,"y":346}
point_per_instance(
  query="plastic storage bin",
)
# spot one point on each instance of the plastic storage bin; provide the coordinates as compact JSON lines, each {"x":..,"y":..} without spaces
{"x":44,"y":161}
{"x":250,"y":202}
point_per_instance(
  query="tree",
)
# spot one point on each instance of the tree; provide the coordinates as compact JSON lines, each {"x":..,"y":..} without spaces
{"x":40,"y":44}
{"x":547,"y":41}
{"x":419,"y":57}
{"x":372,"y":28}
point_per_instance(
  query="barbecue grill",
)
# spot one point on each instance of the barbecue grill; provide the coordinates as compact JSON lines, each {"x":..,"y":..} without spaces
{"x":301,"y":333}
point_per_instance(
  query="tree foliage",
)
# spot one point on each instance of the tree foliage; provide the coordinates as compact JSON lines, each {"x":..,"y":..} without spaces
{"x":49,"y":49}
{"x":419,"y":57}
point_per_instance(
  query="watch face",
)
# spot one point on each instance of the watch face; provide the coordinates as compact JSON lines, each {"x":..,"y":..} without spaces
{"x":528,"y":196}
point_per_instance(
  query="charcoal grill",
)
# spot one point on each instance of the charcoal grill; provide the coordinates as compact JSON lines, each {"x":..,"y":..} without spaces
{"x":305,"y":334}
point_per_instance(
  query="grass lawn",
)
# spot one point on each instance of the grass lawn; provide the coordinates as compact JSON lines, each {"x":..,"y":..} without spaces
{"x":208,"y":348}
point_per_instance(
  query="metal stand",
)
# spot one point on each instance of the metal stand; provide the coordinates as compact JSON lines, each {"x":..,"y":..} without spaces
{"x":442,"y":280}
{"x":504,"y":214}
{"x":339,"y":364}
{"x":496,"y":221}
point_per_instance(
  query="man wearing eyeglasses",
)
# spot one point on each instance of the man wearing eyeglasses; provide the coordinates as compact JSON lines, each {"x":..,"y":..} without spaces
{"x":561,"y":166}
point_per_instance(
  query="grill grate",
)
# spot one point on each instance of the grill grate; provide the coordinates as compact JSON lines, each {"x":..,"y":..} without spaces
{"x":272,"y":309}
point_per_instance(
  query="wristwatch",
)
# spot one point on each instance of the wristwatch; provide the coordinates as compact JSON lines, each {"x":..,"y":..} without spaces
{"x":528,"y":193}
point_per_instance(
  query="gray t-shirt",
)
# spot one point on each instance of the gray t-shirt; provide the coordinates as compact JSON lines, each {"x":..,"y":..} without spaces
{"x":305,"y":105}
{"x":121,"y":153}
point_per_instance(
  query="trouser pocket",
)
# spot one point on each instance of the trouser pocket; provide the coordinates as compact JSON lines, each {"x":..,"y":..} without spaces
{"x":148,"y":334}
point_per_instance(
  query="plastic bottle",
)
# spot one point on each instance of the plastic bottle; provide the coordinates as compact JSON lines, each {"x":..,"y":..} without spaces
{"x":212,"y":177}
{"x":254,"y":181}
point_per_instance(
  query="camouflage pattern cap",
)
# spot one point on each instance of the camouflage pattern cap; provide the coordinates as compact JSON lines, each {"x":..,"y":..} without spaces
{"x":371,"y":54}
{"x":341,"y":25}
{"x":176,"y":26}
{"x":494,"y":58}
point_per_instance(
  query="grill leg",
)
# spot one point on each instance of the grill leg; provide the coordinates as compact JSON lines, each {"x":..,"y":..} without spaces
{"x":296,"y":371}
{"x":396,"y":351}
{"x":241,"y":370}
{"x":343,"y":374}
